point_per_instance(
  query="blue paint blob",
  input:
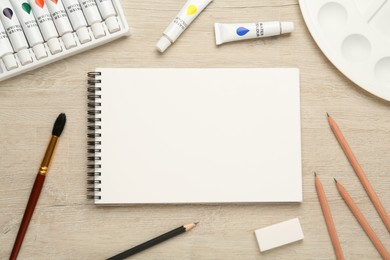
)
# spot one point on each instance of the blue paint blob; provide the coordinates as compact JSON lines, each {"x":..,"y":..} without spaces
{"x":241,"y":31}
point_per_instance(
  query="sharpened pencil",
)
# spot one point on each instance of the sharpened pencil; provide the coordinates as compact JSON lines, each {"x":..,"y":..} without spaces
{"x":359,"y":172}
{"x":362,"y":221}
{"x":328,"y":219}
{"x":154,"y":241}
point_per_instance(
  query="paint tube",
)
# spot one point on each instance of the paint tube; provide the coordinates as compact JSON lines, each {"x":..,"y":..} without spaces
{"x":61,"y":21}
{"x":237,"y":32}
{"x":109,"y":15}
{"x":6,"y":51}
{"x":45,"y":23}
{"x":15,"y":32}
{"x":185,"y":17}
{"x":30,"y":27}
{"x":77,"y":19}
{"x":93,"y":17}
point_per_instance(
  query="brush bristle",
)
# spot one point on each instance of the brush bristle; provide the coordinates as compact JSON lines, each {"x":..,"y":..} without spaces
{"x":59,"y":125}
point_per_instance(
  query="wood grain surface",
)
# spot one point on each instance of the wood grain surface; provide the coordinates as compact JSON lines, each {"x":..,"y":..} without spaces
{"x":66,"y":225}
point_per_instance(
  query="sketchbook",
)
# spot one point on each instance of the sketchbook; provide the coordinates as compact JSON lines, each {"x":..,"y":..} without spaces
{"x":194,"y":136}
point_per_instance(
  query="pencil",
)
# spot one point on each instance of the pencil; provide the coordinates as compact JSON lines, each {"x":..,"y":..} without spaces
{"x":359,"y":172}
{"x":154,"y":241}
{"x":328,"y":218}
{"x":362,"y":221}
{"x":38,"y":184}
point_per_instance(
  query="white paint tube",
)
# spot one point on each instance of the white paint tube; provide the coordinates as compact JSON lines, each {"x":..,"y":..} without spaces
{"x":6,"y":51}
{"x":30,"y":27}
{"x":45,"y":23}
{"x":15,"y":32}
{"x":62,"y":23}
{"x":185,"y":17}
{"x":243,"y":31}
{"x":93,"y":17}
{"x":77,"y":19}
{"x":107,"y":10}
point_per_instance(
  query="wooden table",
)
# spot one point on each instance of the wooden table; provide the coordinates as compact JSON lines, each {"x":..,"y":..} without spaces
{"x":67,"y":226}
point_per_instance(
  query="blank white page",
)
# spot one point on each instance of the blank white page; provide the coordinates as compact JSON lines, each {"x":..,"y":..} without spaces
{"x":200,"y":136}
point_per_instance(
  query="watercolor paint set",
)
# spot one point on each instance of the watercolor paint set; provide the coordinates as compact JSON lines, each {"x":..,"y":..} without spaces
{"x":34,"y":33}
{"x":355,"y":36}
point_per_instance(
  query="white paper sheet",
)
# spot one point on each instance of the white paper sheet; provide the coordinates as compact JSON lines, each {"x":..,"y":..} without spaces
{"x":200,"y":136}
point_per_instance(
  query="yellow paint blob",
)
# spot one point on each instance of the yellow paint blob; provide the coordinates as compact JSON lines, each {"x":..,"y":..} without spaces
{"x":191,"y":9}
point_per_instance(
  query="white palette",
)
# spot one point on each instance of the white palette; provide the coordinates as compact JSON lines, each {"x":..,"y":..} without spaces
{"x":355,"y":36}
{"x":124,"y":31}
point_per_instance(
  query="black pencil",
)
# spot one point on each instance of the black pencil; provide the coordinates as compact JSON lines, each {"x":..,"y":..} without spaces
{"x":154,"y":241}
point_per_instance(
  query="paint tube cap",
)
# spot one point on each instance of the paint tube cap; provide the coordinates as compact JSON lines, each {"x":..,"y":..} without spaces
{"x":54,"y":46}
{"x":69,"y":40}
{"x":163,"y":44}
{"x":287,"y":27}
{"x":98,"y":30}
{"x":10,"y":62}
{"x":112,"y":24}
{"x":24,"y":57}
{"x":83,"y":35}
{"x":39,"y":51}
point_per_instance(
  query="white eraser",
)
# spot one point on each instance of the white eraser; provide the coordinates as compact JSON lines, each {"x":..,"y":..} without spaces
{"x":279,"y":234}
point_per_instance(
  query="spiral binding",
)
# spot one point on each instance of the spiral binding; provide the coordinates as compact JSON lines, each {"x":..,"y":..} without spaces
{"x":94,"y":135}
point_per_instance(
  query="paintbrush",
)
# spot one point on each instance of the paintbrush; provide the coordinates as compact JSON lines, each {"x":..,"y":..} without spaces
{"x":38,"y":184}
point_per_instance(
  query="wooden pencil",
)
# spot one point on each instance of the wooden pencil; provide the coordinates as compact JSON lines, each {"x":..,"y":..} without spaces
{"x":153,"y":242}
{"x":362,"y":221}
{"x":359,"y":172}
{"x":328,"y":219}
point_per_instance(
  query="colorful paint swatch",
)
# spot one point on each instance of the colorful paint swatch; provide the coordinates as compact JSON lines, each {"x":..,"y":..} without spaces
{"x":40,"y":3}
{"x":191,"y":10}
{"x":8,"y":13}
{"x":241,"y":31}
{"x":26,"y":7}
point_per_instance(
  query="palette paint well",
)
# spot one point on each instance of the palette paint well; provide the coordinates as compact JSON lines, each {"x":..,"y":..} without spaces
{"x":355,"y":36}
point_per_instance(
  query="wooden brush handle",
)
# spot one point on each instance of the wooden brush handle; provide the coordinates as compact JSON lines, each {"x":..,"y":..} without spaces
{"x":32,"y":202}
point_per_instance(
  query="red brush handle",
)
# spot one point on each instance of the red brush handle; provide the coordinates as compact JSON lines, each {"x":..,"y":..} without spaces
{"x":32,"y":202}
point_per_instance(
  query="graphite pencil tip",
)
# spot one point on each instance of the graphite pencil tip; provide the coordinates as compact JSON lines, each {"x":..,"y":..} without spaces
{"x":315,"y":174}
{"x":196,"y":223}
{"x":335,"y":180}
{"x":327,"y":114}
